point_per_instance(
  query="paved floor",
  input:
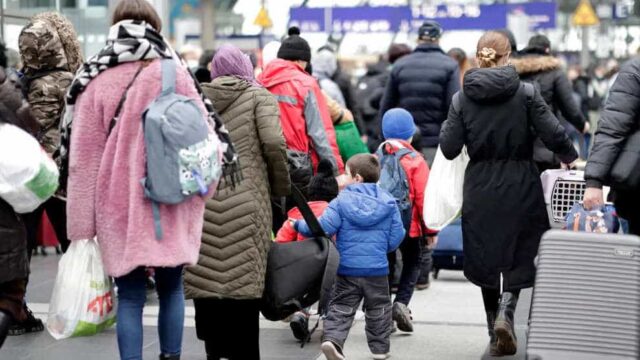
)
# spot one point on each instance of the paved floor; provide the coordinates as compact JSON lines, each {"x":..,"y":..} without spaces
{"x":449,"y":324}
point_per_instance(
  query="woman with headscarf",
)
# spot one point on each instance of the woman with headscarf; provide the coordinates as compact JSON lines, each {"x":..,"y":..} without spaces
{"x":503,"y":213}
{"x":106,"y":161}
{"x":228,"y":282}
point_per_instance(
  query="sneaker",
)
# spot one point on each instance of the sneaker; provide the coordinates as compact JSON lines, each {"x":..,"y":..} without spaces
{"x":300,"y":326}
{"x":381,"y":356}
{"x":31,"y":324}
{"x":402,"y":316}
{"x":332,"y":351}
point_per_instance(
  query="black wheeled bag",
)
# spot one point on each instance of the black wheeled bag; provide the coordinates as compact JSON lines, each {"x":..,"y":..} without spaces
{"x":586,"y":299}
{"x":300,"y":273}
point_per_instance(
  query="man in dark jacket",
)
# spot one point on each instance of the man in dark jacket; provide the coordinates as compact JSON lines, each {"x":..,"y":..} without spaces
{"x":371,"y":88}
{"x":423,"y":83}
{"x":537,"y":66}
{"x":619,"y":121}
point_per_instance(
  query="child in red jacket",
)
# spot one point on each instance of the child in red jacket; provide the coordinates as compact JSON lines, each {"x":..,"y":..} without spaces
{"x":398,"y":129}
{"x":323,"y":188}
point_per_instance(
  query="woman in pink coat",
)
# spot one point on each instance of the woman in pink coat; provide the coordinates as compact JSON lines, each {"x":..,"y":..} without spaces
{"x":105,"y":196}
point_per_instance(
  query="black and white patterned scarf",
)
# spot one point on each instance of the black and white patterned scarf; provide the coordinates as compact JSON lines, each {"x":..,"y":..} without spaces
{"x":131,"y":41}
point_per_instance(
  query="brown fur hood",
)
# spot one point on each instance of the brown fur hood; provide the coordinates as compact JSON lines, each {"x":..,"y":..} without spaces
{"x":532,"y":64}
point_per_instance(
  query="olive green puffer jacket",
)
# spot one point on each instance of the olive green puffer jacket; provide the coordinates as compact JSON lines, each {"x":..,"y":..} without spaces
{"x":238,"y":221}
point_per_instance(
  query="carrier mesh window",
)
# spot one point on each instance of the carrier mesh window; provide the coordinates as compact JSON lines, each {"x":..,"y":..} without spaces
{"x":565,"y":194}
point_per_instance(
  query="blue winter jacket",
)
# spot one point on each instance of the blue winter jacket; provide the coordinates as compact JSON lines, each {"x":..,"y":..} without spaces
{"x":367,"y":222}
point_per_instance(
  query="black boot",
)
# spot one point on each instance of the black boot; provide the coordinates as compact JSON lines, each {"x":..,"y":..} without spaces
{"x":169,"y":357}
{"x":493,"y":343}
{"x":5,"y":323}
{"x":507,"y":344}
{"x":29,"y":325}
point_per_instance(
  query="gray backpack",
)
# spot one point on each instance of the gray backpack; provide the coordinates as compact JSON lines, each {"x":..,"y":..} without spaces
{"x":183,"y":153}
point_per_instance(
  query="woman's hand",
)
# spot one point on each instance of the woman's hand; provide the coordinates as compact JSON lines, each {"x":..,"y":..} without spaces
{"x":593,"y":198}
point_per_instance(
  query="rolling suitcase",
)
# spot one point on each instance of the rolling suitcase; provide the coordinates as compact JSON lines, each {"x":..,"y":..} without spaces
{"x":448,"y":253}
{"x":586,"y":299}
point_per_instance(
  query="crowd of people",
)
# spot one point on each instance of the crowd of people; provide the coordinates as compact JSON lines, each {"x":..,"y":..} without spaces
{"x":516,"y":112}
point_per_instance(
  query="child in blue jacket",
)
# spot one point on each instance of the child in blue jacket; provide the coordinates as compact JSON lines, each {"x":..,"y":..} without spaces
{"x":367,"y":225}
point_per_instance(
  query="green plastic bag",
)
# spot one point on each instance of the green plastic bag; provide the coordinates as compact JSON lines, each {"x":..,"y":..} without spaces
{"x":349,"y":142}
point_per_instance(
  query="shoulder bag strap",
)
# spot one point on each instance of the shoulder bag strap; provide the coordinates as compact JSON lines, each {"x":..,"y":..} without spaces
{"x":168,"y":76}
{"x":116,"y":116}
{"x":307,"y":214}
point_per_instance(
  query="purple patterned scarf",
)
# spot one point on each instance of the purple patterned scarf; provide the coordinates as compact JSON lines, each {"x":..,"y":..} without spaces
{"x":230,"y":61}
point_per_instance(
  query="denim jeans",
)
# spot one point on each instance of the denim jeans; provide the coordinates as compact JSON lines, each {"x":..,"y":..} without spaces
{"x":411,"y":250}
{"x":132,"y":295}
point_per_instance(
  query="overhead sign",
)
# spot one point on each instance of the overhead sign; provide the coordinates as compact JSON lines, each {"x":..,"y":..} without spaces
{"x":366,"y":19}
{"x":263,"y":19}
{"x":585,"y":15}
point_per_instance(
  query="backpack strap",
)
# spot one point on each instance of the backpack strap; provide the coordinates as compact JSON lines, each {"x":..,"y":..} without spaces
{"x":116,"y":116}
{"x":168,"y":76}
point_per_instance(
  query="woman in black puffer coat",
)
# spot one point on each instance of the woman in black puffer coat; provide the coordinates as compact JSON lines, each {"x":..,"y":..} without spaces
{"x":14,"y":264}
{"x":503,"y":213}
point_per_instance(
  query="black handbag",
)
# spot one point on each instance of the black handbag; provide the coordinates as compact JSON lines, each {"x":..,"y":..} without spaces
{"x":300,"y":273}
{"x":625,"y":172}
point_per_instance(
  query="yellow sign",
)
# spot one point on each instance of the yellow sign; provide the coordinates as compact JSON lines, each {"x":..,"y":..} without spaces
{"x":585,"y":15}
{"x":263,"y":19}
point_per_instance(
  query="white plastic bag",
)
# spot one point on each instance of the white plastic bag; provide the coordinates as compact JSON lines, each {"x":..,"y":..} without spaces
{"x":443,"y":194}
{"x":28,"y":176}
{"x":83,"y":302}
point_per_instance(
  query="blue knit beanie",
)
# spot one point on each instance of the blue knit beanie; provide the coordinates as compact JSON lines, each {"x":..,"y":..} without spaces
{"x":398,"y":124}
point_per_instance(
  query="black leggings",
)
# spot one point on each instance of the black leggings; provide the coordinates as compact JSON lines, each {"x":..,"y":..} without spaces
{"x":491,"y":298}
{"x":221,"y":323}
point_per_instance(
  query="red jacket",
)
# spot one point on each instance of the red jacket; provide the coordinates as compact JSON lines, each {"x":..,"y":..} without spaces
{"x":287,"y":233}
{"x":304,"y":113}
{"x":417,"y":172}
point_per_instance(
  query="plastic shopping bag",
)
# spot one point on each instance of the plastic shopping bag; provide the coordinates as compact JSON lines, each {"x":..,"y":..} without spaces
{"x":83,"y":302}
{"x":28,"y":176}
{"x":443,"y":194}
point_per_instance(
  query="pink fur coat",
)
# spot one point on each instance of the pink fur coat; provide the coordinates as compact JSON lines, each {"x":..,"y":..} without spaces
{"x":105,"y":196}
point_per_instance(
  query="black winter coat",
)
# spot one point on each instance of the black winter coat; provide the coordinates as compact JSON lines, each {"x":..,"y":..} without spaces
{"x":423,"y":83}
{"x":619,"y":119}
{"x":13,"y":237}
{"x":369,"y":92}
{"x":14,"y":263}
{"x":557,"y":92}
{"x":503,"y":213}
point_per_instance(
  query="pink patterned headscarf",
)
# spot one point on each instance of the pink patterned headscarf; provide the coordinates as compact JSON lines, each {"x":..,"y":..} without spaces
{"x":230,"y":61}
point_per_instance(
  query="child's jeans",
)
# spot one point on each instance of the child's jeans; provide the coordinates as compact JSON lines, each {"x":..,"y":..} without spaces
{"x":411,"y":249}
{"x":132,"y":294}
{"x":347,"y":294}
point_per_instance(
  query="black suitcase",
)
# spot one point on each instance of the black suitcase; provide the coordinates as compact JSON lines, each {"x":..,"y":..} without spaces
{"x":586,"y":299}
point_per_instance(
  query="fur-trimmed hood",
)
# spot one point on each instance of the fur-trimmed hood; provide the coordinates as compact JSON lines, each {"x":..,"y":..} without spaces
{"x":49,"y":42}
{"x":532,"y":64}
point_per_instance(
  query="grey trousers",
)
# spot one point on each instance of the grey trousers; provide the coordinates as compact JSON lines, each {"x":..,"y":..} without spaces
{"x":347,"y":294}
